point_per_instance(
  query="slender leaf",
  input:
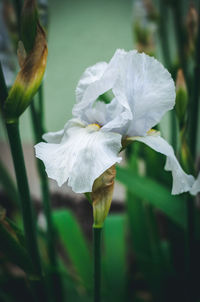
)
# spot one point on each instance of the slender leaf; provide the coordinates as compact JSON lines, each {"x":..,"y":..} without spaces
{"x":154,"y":193}
{"x":75,"y":244}
{"x":14,"y":252}
{"x":8,"y":184}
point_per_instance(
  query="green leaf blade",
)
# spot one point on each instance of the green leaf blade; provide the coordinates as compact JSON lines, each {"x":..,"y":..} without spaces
{"x":154,"y":193}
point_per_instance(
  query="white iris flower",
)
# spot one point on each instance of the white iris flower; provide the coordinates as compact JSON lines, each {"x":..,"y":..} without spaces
{"x":143,"y":91}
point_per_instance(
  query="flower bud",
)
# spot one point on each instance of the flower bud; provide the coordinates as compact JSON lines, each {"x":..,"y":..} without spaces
{"x":192,"y":27}
{"x":186,"y":157}
{"x":152,"y":14}
{"x":102,"y":193}
{"x":32,"y":55}
{"x":144,"y":26}
{"x":181,"y":97}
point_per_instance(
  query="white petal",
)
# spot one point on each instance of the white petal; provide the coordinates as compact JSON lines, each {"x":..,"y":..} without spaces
{"x":143,"y":89}
{"x":53,"y":137}
{"x":109,"y":116}
{"x":90,"y":75}
{"x":82,"y":156}
{"x":149,"y":89}
{"x":97,"y":80}
{"x":196,"y":186}
{"x":182,"y":182}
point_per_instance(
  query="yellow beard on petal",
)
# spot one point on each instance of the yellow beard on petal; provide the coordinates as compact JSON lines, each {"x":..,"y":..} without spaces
{"x":153,"y":132}
{"x":94,"y":127}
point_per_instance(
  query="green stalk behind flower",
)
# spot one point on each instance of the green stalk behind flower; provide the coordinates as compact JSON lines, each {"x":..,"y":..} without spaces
{"x":32,"y":62}
{"x":55,"y":279}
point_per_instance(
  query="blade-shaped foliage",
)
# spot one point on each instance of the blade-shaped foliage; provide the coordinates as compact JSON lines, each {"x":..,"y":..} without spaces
{"x":8,"y":184}
{"x":14,"y":251}
{"x":75,"y":244}
{"x":154,"y":193}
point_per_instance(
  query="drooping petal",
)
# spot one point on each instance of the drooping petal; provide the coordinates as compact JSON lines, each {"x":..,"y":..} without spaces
{"x":182,"y":182}
{"x":149,"y":89}
{"x":83,"y":154}
{"x":196,"y":186}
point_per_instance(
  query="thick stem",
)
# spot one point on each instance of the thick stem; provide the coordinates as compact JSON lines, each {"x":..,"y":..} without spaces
{"x":97,"y":263}
{"x":187,"y":163}
{"x":55,"y":277}
{"x":3,"y":88}
{"x":190,"y":247}
{"x":164,"y":39}
{"x":194,"y":104}
{"x":37,"y":282}
{"x":41,"y":105}
{"x":18,"y":9}
{"x":26,"y":205}
{"x":26,"y":209}
{"x":180,"y":34}
{"x":173,"y":130}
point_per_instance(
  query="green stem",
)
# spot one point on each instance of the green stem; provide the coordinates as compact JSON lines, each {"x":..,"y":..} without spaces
{"x":97,"y":263}
{"x":180,"y":34}
{"x":166,"y":55}
{"x":18,"y":9}
{"x":8,"y":185}
{"x":173,"y":130}
{"x":26,"y":207}
{"x":187,"y":163}
{"x":3,"y":88}
{"x":56,"y":285}
{"x":41,"y":105}
{"x":194,"y":105}
{"x":190,"y":247}
{"x":163,"y":33}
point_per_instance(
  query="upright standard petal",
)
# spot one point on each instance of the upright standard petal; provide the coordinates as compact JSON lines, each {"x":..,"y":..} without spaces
{"x":97,"y":80}
{"x":149,"y":89}
{"x":90,"y":76}
{"x":143,"y":90}
{"x":83,"y":154}
{"x":182,"y":182}
{"x":196,"y":186}
{"x":53,"y":137}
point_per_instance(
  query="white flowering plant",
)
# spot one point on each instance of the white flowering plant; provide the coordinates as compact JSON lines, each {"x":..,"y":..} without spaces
{"x":90,"y":143}
{"x":150,"y":247}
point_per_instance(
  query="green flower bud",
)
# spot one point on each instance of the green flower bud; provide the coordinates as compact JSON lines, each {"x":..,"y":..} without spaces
{"x":186,"y":157}
{"x":32,"y":56}
{"x":181,"y":98}
{"x":102,"y":193}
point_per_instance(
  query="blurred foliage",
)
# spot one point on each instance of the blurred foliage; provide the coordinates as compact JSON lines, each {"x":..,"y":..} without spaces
{"x":151,"y":250}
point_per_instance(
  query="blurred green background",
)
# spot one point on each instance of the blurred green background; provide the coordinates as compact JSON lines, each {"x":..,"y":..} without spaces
{"x":81,"y":33}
